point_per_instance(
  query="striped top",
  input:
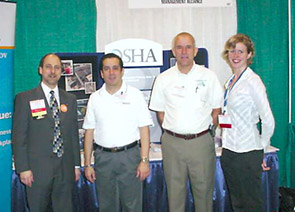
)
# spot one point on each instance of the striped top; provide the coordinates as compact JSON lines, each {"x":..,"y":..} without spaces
{"x":246,"y":102}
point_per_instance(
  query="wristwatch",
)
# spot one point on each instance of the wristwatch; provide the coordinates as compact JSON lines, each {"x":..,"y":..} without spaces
{"x":144,"y":159}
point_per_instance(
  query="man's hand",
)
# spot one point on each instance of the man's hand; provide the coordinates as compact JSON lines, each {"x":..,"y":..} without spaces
{"x":143,"y":171}
{"x":90,"y":174}
{"x":77,"y":174}
{"x":26,"y":177}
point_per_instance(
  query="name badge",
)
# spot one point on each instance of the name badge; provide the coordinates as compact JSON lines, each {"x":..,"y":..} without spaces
{"x":179,"y":91}
{"x":224,"y":121}
{"x":122,"y":99}
{"x":38,"y":108}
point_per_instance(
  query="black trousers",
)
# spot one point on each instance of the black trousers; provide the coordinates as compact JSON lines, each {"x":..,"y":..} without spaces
{"x":242,"y":172}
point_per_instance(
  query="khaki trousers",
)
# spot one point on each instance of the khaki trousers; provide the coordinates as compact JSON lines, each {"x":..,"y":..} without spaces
{"x":193,"y":159}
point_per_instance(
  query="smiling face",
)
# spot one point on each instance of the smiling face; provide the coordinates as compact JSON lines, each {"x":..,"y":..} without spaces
{"x":112,"y":73}
{"x":238,"y":52}
{"x":238,"y":57}
{"x":184,"y":51}
{"x":50,"y":71}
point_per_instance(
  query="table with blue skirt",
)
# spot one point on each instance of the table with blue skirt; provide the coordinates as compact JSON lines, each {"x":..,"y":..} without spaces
{"x":155,"y":192}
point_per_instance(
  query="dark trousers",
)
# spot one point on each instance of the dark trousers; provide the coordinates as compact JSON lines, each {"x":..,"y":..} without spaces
{"x":51,"y":192}
{"x":242,"y":172}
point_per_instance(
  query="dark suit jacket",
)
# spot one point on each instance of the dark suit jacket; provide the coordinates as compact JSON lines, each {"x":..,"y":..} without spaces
{"x":32,"y":137}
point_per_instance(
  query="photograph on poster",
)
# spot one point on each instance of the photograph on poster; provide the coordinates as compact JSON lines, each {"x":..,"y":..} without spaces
{"x":90,"y":87}
{"x":141,"y":78}
{"x":81,"y":108}
{"x":155,"y":131}
{"x":67,"y":68}
{"x":82,"y":74}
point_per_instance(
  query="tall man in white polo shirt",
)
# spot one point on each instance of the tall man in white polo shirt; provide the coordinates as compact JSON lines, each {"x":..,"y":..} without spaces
{"x":187,"y":98}
{"x":117,"y":118}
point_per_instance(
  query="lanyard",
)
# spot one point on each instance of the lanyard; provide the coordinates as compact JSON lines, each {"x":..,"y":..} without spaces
{"x":227,"y":90}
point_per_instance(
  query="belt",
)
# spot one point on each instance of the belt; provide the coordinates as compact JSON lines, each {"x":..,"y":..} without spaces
{"x":187,"y":136}
{"x":116,"y":149}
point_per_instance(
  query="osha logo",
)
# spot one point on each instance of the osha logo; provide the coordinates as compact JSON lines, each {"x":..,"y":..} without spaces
{"x":137,"y":52}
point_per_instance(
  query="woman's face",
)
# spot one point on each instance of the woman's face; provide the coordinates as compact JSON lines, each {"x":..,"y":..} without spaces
{"x":238,"y":57}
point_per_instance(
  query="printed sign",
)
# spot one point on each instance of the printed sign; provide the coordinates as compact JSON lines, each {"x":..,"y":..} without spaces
{"x":136,"y":4}
{"x":137,"y":52}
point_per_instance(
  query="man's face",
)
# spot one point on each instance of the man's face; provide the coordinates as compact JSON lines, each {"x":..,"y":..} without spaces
{"x":51,"y":71}
{"x":111,"y":72}
{"x":184,"y":51}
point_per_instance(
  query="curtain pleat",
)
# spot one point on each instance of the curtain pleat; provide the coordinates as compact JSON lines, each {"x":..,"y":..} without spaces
{"x":266,"y":22}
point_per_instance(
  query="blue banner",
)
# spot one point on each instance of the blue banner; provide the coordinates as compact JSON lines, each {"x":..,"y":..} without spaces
{"x":7,"y":13}
{"x":6,"y":109}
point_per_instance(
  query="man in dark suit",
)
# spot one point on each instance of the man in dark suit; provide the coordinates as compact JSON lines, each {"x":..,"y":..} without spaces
{"x":45,"y":140}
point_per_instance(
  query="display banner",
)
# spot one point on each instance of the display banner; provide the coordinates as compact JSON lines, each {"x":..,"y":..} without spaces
{"x":143,"y":61}
{"x":137,"y":52}
{"x":142,"y":75}
{"x":7,"y":26}
{"x":136,"y":4}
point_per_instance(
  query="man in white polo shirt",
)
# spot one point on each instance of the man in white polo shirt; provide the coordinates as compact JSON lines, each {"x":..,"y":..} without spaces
{"x":117,"y":118}
{"x":187,"y":98}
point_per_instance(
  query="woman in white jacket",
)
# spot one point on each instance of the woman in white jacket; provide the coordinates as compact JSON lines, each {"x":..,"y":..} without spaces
{"x":245,"y":104}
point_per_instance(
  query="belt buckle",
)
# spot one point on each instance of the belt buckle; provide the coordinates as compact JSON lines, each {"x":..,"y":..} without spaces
{"x":115,"y":149}
{"x":189,"y":136}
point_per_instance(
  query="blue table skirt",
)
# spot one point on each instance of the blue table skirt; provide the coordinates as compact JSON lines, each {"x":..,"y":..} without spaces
{"x":155,"y":192}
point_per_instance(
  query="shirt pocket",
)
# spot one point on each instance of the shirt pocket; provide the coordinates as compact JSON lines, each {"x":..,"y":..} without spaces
{"x":199,"y":94}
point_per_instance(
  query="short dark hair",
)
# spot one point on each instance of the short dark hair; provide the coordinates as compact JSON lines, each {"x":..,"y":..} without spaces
{"x":41,"y":63}
{"x":110,"y":55}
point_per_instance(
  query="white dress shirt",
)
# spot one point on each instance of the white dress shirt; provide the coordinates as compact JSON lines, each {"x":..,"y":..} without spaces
{"x":186,"y":99}
{"x":246,"y":102}
{"x":47,"y":93}
{"x":116,"y":118}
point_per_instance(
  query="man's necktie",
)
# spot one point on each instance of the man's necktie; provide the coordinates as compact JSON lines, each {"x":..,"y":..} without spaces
{"x":57,"y":139}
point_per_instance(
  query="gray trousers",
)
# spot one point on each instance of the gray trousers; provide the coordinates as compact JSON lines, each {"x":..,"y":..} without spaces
{"x":116,"y":182}
{"x":53,"y":192}
{"x":193,"y":159}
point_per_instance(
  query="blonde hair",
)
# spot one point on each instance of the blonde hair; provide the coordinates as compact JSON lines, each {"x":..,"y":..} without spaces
{"x":232,"y":42}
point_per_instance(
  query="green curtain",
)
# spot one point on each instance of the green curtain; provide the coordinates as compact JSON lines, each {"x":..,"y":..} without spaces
{"x":50,"y":26}
{"x":266,"y":22}
{"x":292,"y":124}
{"x":293,"y":59}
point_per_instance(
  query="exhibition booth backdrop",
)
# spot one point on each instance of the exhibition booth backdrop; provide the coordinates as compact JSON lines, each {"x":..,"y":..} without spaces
{"x":73,"y":29}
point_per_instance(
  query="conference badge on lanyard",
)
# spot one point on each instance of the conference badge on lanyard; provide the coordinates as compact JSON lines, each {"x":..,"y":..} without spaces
{"x":224,"y":121}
